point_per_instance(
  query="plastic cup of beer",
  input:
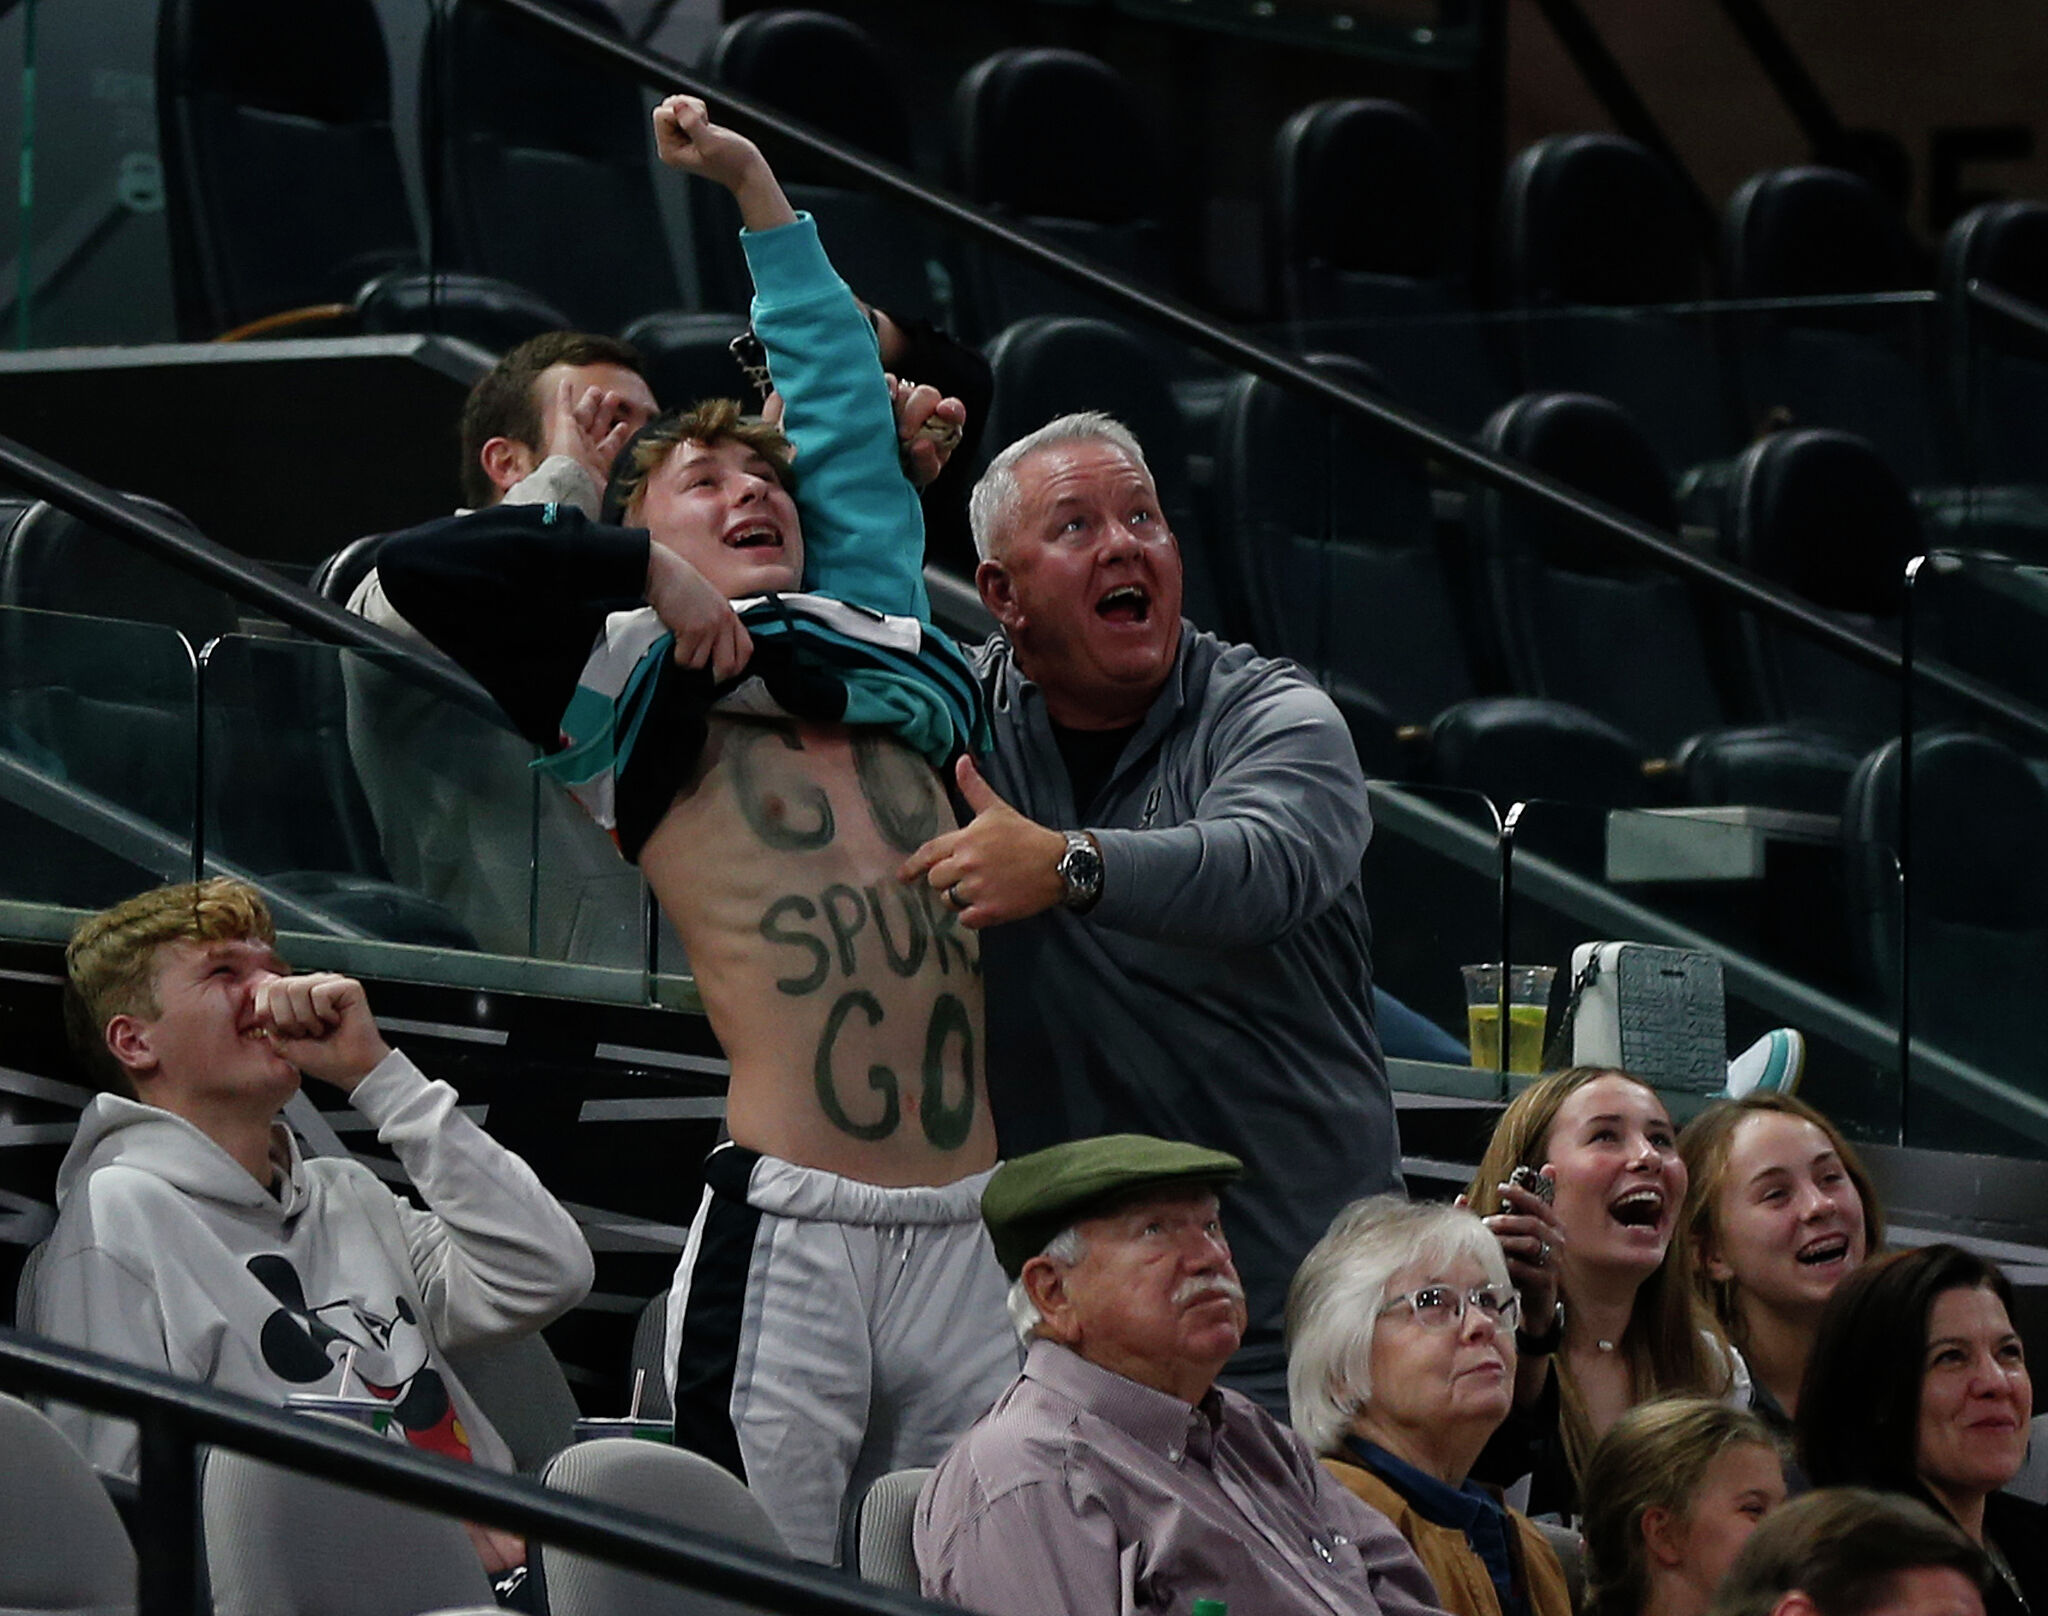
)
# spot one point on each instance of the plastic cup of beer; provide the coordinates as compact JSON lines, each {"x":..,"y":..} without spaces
{"x":1528,"y":1005}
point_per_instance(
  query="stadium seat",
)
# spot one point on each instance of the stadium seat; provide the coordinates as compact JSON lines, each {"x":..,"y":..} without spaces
{"x":1985,"y":614}
{"x":523,"y":1393}
{"x":1824,"y":233}
{"x":280,"y":1542}
{"x":1997,"y":370}
{"x":831,"y":74}
{"x":1977,"y":895}
{"x":542,"y":165}
{"x":1031,"y":129}
{"x":54,"y":562}
{"x":1333,"y":538}
{"x":493,"y":314}
{"x":1364,"y":256}
{"x":649,"y":1359}
{"x":1820,"y":513}
{"x":672,"y":1484}
{"x":1599,"y":226}
{"x":96,"y":694}
{"x":1806,"y":771}
{"x":256,"y":103}
{"x":877,"y":1543}
{"x":689,"y":356}
{"x":63,"y":1550}
{"x":1055,"y":364}
{"x":1577,"y":618}
{"x":1513,"y":749}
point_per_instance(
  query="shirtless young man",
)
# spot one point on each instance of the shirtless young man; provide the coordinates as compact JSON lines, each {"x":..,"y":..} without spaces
{"x":770,"y":766}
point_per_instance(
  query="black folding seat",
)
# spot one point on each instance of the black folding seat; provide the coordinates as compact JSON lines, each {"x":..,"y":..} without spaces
{"x":1997,"y":367}
{"x":1820,"y":513}
{"x":1331,"y":530}
{"x":282,"y":186}
{"x":281,"y":176}
{"x":1518,"y":749}
{"x":686,"y":357}
{"x":1053,"y":140}
{"x":1365,"y":256}
{"x":1575,"y":616}
{"x":1057,"y":364}
{"x":110,"y":702}
{"x":1823,"y":233}
{"x":1595,"y":233}
{"x":493,"y":314}
{"x":830,"y":73}
{"x":542,"y":168}
{"x":1974,"y":927}
{"x":1985,"y":614}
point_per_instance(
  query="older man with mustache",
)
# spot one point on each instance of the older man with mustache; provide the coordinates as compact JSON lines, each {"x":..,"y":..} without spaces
{"x":1115,"y":1475}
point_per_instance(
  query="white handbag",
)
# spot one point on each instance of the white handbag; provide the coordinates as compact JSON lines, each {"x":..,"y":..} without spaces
{"x":1657,"y":1012}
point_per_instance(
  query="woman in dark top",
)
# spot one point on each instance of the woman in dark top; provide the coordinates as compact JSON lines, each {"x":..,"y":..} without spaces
{"x":1918,"y":1384}
{"x":1627,"y":1325}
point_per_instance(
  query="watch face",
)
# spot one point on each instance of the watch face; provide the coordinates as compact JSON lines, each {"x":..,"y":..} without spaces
{"x":1081,"y":869}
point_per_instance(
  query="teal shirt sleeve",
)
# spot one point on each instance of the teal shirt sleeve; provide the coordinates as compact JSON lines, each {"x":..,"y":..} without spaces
{"x":863,"y":526}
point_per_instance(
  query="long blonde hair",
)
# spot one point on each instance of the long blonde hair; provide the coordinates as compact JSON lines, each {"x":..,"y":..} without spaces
{"x":1672,"y":1343}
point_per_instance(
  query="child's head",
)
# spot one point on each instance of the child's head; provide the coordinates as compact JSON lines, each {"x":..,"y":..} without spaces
{"x":716,"y":488}
{"x":1672,"y":1492}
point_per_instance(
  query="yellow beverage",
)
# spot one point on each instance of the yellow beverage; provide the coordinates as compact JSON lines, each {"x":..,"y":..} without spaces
{"x":1525,"y":1036}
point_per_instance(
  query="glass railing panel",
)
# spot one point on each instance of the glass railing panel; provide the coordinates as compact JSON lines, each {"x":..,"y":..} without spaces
{"x":1998,"y":367}
{"x":96,"y":757}
{"x":1432,"y":887}
{"x":1778,"y":899}
{"x":79,"y":108}
{"x":1968,"y":809}
{"x":408,"y":818}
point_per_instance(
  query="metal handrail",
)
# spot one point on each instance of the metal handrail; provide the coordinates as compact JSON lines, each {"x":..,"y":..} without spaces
{"x":176,"y":1416}
{"x":2016,"y":309}
{"x":248,"y":581}
{"x":1185,"y":323}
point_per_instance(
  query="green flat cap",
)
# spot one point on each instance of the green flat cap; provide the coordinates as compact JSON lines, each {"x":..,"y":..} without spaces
{"x":1031,"y":1199}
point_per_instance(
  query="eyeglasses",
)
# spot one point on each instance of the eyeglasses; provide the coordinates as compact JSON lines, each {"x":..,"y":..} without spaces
{"x":1440,"y":1307}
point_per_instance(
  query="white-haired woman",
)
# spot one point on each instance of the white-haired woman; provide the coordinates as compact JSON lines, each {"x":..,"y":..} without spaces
{"x":1401,"y":1362}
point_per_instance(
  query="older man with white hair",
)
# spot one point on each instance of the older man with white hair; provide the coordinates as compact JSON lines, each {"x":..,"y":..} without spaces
{"x":1114,"y":1475}
{"x":1167,"y":853}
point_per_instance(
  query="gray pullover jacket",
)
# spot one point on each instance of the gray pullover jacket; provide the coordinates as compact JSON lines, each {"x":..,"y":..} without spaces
{"x":1221,"y":989}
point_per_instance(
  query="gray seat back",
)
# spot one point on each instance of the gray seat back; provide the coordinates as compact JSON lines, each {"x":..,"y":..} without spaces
{"x":62,"y":1546}
{"x":878,"y":1531}
{"x":282,"y":1543}
{"x":671,"y":1484}
{"x":524,"y":1394}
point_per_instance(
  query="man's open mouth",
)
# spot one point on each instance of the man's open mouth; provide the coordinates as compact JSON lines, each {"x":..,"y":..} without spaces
{"x":1827,"y":1249}
{"x":1127,"y":603}
{"x":757,"y":536}
{"x":1638,"y":1209}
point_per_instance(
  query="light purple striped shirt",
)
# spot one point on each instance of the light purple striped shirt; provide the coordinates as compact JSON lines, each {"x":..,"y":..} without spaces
{"x":1085,"y":1493}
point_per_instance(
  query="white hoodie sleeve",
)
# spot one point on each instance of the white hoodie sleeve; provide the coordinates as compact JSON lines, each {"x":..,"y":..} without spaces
{"x":495,"y":1254}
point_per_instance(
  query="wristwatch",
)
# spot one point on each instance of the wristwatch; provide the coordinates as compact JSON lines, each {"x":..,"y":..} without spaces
{"x":1080,"y":867}
{"x":1542,"y":1346}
